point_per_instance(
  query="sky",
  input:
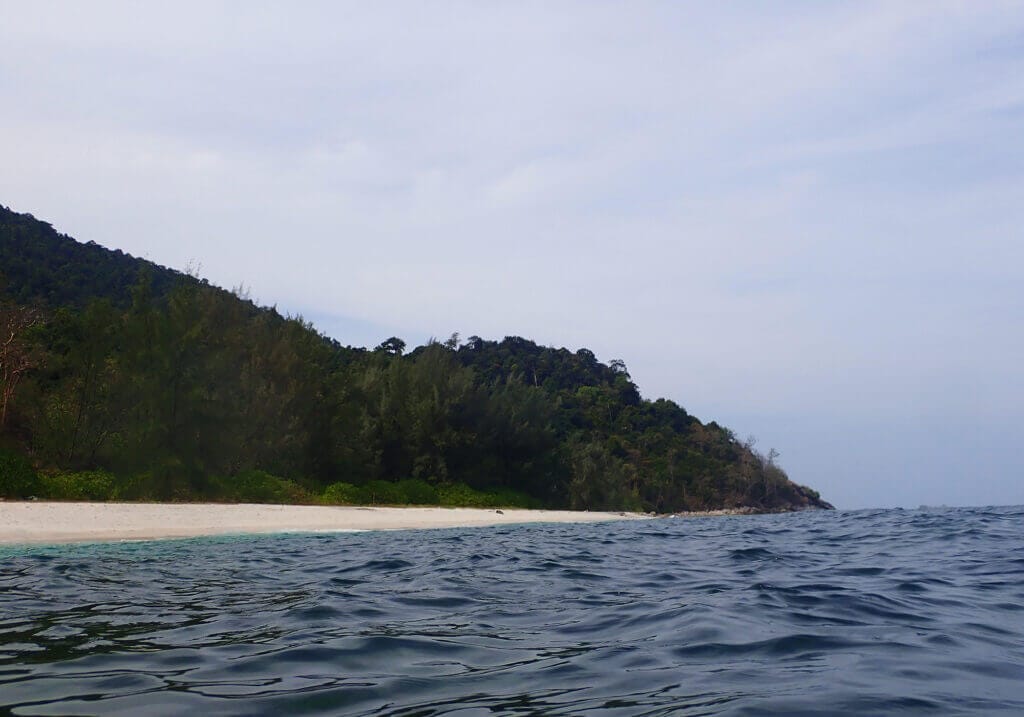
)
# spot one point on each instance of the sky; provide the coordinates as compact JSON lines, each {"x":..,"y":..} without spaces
{"x":803,"y":220}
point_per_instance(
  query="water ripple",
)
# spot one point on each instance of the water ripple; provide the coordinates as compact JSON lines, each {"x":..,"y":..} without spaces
{"x":867,"y":612}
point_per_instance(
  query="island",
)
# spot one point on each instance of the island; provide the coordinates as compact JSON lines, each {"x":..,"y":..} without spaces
{"x":122,"y":380}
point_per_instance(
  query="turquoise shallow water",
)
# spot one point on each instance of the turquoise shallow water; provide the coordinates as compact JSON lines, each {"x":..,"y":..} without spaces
{"x":868,"y":612}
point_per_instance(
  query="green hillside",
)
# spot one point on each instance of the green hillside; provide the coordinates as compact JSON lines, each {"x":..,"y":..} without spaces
{"x":123,"y":379}
{"x":44,"y":267}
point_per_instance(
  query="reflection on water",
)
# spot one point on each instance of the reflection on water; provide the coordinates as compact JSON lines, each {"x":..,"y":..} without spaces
{"x":869,"y":612}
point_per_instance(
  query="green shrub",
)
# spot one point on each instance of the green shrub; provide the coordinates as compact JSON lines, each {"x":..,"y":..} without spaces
{"x":462,"y":495}
{"x":140,"y":487}
{"x":161,"y":482}
{"x":382,"y":492}
{"x":17,"y":477}
{"x":459,"y":494}
{"x":508,"y":498}
{"x":418,"y":492}
{"x":261,"y":487}
{"x":87,"y":485}
{"x":343,"y":494}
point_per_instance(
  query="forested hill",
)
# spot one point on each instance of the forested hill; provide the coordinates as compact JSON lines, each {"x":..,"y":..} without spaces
{"x":44,"y":267}
{"x":123,"y":379}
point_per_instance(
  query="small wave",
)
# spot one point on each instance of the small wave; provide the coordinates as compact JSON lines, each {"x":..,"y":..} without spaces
{"x":862,"y":612}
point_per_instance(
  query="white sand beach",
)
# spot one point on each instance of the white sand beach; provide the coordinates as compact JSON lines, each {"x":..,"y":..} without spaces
{"x":46,"y":522}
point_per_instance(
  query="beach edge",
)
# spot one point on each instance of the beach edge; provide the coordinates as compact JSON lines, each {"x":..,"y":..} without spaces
{"x":51,"y":522}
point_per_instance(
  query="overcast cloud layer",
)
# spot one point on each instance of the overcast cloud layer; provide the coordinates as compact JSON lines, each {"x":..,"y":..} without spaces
{"x":802,"y":220}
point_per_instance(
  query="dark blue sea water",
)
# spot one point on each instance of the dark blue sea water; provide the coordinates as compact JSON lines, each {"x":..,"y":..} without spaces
{"x":867,"y":613}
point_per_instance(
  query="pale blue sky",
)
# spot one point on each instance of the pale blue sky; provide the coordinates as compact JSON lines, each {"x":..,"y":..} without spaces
{"x":802,"y":220}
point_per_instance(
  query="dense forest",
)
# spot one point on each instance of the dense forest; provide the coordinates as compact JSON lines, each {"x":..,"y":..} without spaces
{"x":121,"y":379}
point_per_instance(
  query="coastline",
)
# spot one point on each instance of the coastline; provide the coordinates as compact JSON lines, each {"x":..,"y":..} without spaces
{"x":44,"y":522}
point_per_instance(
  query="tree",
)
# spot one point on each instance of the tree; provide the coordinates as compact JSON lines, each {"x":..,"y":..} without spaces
{"x":600,"y":481}
{"x":394,"y":346}
{"x":16,"y":355}
{"x":77,"y":413}
{"x":452,"y":344}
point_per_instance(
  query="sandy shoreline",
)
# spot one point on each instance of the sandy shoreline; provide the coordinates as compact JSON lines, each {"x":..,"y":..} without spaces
{"x":45,"y":522}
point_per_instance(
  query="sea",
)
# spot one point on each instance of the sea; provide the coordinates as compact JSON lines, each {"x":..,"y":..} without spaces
{"x":884,"y":612}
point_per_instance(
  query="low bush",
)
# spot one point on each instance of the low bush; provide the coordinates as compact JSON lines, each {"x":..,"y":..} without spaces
{"x":18,"y":479}
{"x":462,"y":495}
{"x":379,"y":492}
{"x":163,"y":481}
{"x":418,"y":492}
{"x":257,"y":486}
{"x":343,"y":494}
{"x":509,"y":498}
{"x":382,"y":492}
{"x":139,"y":487}
{"x":86,"y":485}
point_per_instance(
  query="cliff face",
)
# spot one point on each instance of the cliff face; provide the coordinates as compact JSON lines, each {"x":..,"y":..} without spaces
{"x":170,"y":387}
